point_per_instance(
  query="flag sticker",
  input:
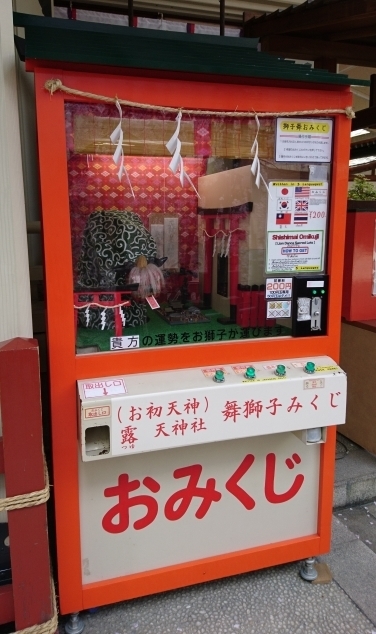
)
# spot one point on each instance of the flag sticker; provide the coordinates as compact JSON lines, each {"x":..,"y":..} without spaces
{"x":296,"y":228}
{"x":284,"y":204}
{"x":300,"y":219}
{"x":283,"y":219}
{"x":302,"y":192}
{"x":301,"y":205}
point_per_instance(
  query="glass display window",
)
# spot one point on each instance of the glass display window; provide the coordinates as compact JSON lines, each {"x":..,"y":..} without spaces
{"x":182,"y":247}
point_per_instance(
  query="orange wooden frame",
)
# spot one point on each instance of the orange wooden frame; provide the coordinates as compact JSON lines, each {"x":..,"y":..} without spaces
{"x":66,"y":368}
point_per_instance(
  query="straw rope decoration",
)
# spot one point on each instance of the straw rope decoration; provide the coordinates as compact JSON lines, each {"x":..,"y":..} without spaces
{"x":27,"y":499}
{"x":52,"y":85}
{"x":174,"y":144}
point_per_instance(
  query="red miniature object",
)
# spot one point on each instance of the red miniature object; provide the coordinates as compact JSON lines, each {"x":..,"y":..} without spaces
{"x":116,"y":302}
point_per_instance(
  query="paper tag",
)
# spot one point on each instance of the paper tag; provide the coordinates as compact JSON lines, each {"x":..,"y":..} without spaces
{"x":103,"y":387}
{"x":97,"y":412}
{"x":210,"y":372}
{"x":152,"y":302}
{"x":313,"y":384}
{"x":239,"y":369}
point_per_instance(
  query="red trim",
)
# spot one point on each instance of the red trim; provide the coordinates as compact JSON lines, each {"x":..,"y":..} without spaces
{"x":36,"y":65}
{"x":186,"y":574}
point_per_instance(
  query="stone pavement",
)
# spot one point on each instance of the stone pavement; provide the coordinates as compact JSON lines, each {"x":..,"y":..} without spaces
{"x":277,"y":600}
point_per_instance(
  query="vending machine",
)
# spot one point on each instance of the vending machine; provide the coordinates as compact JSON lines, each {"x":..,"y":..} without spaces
{"x":193,"y":217}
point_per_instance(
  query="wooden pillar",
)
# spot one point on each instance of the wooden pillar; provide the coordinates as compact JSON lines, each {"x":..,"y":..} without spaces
{"x":222,"y":19}
{"x":130,"y":13}
{"x":24,"y":473}
{"x":15,"y":304}
{"x":372,"y":91}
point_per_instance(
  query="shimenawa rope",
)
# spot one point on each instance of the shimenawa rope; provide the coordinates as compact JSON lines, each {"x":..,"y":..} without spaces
{"x":52,"y":85}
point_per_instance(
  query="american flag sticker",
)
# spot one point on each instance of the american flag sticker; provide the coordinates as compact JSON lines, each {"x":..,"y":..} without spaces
{"x":302,"y":192}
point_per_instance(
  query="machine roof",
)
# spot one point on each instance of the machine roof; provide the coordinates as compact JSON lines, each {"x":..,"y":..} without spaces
{"x":71,"y":41}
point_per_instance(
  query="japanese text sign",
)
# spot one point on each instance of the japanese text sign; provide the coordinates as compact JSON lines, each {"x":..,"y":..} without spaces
{"x":304,"y":140}
{"x":176,"y":507}
{"x":166,"y":415}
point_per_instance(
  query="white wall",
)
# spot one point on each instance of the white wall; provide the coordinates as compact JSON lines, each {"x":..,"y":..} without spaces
{"x":15,"y":305}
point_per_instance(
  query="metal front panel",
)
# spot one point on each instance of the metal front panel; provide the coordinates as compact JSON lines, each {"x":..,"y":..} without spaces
{"x":226,"y":526}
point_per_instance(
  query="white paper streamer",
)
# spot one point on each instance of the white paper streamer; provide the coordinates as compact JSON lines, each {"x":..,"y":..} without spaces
{"x":223,"y":241}
{"x":214,"y":245}
{"x":118,"y":156}
{"x":103,"y":319}
{"x":228,"y":244}
{"x":87,"y":315}
{"x":255,"y":167}
{"x":176,"y":164}
{"x":122,"y":316}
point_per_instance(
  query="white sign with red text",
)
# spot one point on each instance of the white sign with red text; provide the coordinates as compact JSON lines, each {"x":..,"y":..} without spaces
{"x":278,"y":288}
{"x":146,"y":512}
{"x":165,"y":410}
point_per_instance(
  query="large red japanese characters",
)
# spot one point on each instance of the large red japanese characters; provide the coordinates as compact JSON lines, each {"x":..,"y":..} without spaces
{"x":178,"y":504}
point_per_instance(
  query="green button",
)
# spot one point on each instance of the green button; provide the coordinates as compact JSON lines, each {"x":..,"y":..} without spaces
{"x":280,"y":370}
{"x":314,"y":292}
{"x":219,"y":376}
{"x":250,"y":373}
{"x":323,"y":291}
{"x":310,"y":367}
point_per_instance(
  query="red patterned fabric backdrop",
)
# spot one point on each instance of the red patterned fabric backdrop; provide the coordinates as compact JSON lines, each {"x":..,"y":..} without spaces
{"x":94,"y":186}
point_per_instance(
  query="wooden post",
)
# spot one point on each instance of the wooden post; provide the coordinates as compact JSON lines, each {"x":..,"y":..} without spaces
{"x":372,"y":91}
{"x":24,"y":473}
{"x":222,"y":18}
{"x":130,"y":13}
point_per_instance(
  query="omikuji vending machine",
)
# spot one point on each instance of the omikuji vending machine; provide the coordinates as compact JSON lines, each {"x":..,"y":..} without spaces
{"x":194,"y":202}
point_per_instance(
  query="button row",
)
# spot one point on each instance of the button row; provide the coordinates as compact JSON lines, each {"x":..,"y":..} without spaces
{"x":250,"y":372}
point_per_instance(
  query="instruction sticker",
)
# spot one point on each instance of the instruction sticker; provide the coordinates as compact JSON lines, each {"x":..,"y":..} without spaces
{"x":296,"y":233}
{"x":103,"y":387}
{"x":277,"y":309}
{"x":210,"y":372}
{"x":304,"y":140}
{"x":278,"y":288}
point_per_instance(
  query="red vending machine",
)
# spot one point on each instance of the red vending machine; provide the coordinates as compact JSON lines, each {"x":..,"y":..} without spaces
{"x":194,"y":195}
